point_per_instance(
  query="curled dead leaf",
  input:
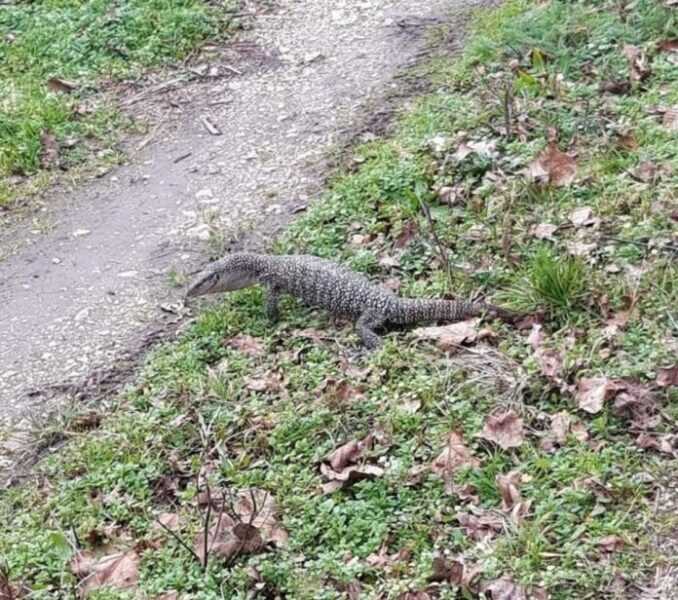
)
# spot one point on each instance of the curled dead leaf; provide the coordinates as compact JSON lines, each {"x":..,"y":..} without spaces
{"x":670,"y":118}
{"x":450,"y":337}
{"x":55,"y":84}
{"x":638,"y":63}
{"x":667,"y":376}
{"x":49,"y":151}
{"x":349,"y":453}
{"x":504,"y":429}
{"x":615,"y":86}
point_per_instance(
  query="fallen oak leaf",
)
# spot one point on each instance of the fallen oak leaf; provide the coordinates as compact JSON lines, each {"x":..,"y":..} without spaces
{"x":119,"y":571}
{"x":592,"y":392}
{"x":553,"y":167}
{"x":246,"y":344}
{"x":504,"y":429}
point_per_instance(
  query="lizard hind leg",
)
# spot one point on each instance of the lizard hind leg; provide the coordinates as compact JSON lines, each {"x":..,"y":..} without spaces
{"x":366,"y":325}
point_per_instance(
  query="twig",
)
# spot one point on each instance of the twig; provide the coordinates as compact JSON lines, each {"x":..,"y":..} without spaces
{"x":442,"y":251}
{"x":668,"y":247}
{"x":211,"y":127}
{"x":178,"y":539}
{"x":206,"y":526}
{"x":178,"y":159}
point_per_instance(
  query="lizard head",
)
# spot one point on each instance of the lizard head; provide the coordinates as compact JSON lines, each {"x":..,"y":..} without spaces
{"x":225,"y":275}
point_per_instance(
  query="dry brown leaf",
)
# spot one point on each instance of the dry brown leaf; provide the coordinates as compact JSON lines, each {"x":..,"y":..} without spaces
{"x":269,"y":382}
{"x":544,"y":231}
{"x":406,"y":234}
{"x":342,"y":391}
{"x":61,"y":85}
{"x":615,"y":323}
{"x":504,"y":588}
{"x":659,"y":444}
{"x":615,"y":86}
{"x":246,"y":344}
{"x":342,"y":471}
{"x":592,"y":392}
{"x":508,"y":488}
{"x":455,"y":456}
{"x":583,"y":217}
{"x":485,"y":524}
{"x":455,"y":571}
{"x":638,"y":402}
{"x":581,"y":249}
{"x":627,"y":141}
{"x":119,"y":571}
{"x":49,"y":151}
{"x":349,"y":453}
{"x":670,"y":118}
{"x":668,"y":45}
{"x":611,"y":543}
{"x":258,"y":508}
{"x":667,"y":376}
{"x":450,"y":337}
{"x":553,"y":167}
{"x":504,"y":429}
{"x":252,"y":525}
{"x":638,"y":64}
{"x":348,"y":476}
{"x":169,"y":520}
{"x":389,"y":262}
{"x":646,"y":171}
{"x":560,"y":426}
{"x":168,"y":596}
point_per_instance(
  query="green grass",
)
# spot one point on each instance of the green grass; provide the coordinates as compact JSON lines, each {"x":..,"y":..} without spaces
{"x":194,"y":407}
{"x":89,"y":43}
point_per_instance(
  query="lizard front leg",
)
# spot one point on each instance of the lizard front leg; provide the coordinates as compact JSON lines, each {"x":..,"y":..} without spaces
{"x":272,"y":298}
{"x":366,"y":325}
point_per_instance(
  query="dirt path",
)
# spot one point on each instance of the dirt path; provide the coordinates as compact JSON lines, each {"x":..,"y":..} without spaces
{"x":76,"y":298}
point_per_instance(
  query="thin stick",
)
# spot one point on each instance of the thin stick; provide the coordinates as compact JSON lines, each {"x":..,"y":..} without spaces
{"x":206,"y":527}
{"x":178,"y":539}
{"x":442,"y":251}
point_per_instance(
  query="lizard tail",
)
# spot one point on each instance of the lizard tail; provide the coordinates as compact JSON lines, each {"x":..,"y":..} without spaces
{"x":414,"y":310}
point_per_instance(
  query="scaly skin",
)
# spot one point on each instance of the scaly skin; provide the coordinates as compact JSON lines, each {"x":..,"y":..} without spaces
{"x":326,"y":284}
